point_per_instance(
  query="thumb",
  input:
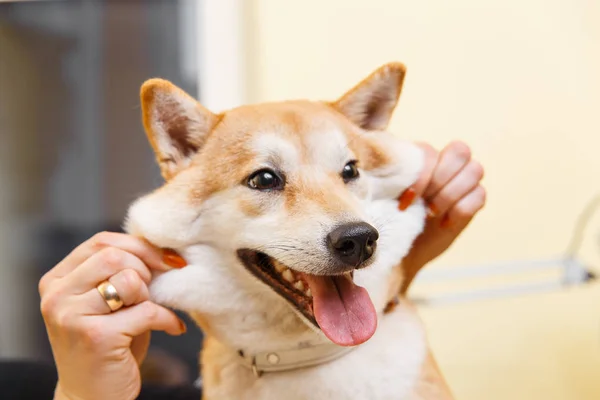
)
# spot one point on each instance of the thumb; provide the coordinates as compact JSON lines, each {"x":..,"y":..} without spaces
{"x":430,"y":157}
{"x":148,"y":316}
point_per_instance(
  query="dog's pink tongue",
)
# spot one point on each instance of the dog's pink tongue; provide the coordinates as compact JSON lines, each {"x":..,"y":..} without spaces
{"x":343,"y":310}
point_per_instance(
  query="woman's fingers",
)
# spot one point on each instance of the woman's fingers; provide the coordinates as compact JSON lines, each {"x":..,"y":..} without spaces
{"x":150,"y":255}
{"x":461,"y":213}
{"x":459,"y":186}
{"x":87,"y":337}
{"x":132,"y":289}
{"x":146,"y":316}
{"x":429,"y":163}
{"x":439,"y":169}
{"x":101,"y":266}
{"x":130,"y":286}
{"x":452,"y":159}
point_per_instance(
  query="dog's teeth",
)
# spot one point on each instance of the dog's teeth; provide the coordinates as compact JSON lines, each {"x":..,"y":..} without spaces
{"x":299,"y":285}
{"x":287,"y":275}
{"x":279,"y":267}
{"x":308,"y":292}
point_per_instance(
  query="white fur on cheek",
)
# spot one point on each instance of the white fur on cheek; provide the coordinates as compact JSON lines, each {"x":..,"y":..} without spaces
{"x":199,"y":287}
{"x":160,"y":216}
{"x":397,"y":232}
{"x":391,"y":180}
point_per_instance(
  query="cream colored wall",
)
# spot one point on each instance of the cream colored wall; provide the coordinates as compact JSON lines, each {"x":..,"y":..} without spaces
{"x":519,"y":80}
{"x":543,"y":346}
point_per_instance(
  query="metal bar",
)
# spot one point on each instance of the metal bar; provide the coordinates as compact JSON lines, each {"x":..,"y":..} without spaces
{"x":477,"y":271}
{"x":506,"y":291}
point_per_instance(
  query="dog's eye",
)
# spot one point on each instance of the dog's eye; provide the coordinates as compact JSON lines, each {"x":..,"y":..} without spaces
{"x":350,"y":172}
{"x":265,"y":179}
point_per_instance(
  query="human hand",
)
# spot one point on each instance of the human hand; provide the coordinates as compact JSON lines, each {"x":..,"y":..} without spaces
{"x":450,"y":184}
{"x":98,"y":352}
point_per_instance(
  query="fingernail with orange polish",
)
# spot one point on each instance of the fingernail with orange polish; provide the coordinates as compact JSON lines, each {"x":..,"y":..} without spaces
{"x":406,"y":199}
{"x":182,"y":327}
{"x":446,"y":223}
{"x":432,"y":210}
{"x":172,"y":259}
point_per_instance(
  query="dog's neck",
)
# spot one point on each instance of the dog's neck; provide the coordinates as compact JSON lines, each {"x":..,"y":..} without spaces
{"x":291,"y":342}
{"x":274,"y":327}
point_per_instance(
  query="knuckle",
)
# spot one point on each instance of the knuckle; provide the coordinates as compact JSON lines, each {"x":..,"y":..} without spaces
{"x":112,"y":257}
{"x":93,"y":333}
{"x":131,"y":281}
{"x":478,"y":170}
{"x":443,"y":199}
{"x":48,"y":305}
{"x":430,"y":156}
{"x":102,"y":239}
{"x":482,"y":196}
{"x":149,"y":311}
{"x":463,"y":211}
{"x":51,"y":301}
{"x":43,"y":284}
{"x":57,"y":316}
{"x":64,"y":320}
{"x":427,"y":148}
{"x":460,"y":150}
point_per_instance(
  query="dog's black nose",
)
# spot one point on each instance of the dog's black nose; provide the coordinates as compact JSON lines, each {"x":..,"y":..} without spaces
{"x":353,"y":243}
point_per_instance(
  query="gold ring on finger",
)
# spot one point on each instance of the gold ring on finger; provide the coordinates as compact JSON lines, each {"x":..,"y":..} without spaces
{"x":110,"y":295}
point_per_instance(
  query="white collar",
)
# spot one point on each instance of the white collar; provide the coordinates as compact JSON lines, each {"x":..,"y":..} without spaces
{"x":304,"y":354}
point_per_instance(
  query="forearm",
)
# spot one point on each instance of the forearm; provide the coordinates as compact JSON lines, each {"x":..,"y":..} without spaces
{"x":410,"y":268}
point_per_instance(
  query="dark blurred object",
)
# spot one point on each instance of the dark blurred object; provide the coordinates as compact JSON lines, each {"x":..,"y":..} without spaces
{"x":27,"y":380}
{"x":161,"y":368}
{"x":24,"y":380}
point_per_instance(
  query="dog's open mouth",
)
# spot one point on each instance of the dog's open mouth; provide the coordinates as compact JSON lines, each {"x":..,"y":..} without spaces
{"x":340,"y":308}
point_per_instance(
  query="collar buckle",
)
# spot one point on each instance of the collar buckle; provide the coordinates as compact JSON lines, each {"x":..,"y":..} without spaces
{"x":305,"y":354}
{"x":257,"y":373}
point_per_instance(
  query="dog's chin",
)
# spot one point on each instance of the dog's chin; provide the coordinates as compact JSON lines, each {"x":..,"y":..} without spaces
{"x":289,"y":284}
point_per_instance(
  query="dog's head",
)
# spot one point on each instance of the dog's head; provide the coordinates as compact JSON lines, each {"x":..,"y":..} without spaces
{"x":280,"y":192}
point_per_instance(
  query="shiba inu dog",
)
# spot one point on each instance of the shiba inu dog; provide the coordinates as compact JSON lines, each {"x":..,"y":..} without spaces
{"x":287,"y":215}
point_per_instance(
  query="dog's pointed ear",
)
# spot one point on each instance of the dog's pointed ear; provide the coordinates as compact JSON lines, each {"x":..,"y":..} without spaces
{"x":370,"y":104}
{"x":176,"y":124}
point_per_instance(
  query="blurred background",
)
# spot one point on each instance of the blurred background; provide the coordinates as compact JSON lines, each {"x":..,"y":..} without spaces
{"x":512,"y":309}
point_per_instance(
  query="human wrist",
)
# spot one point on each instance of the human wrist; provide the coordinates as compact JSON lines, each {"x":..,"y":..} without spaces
{"x":410,"y":268}
{"x":412,"y":264}
{"x":59,"y":394}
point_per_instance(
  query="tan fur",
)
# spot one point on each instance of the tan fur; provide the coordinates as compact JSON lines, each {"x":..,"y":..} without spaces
{"x":431,"y":384}
{"x":187,"y":138}
{"x":361,"y":97}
